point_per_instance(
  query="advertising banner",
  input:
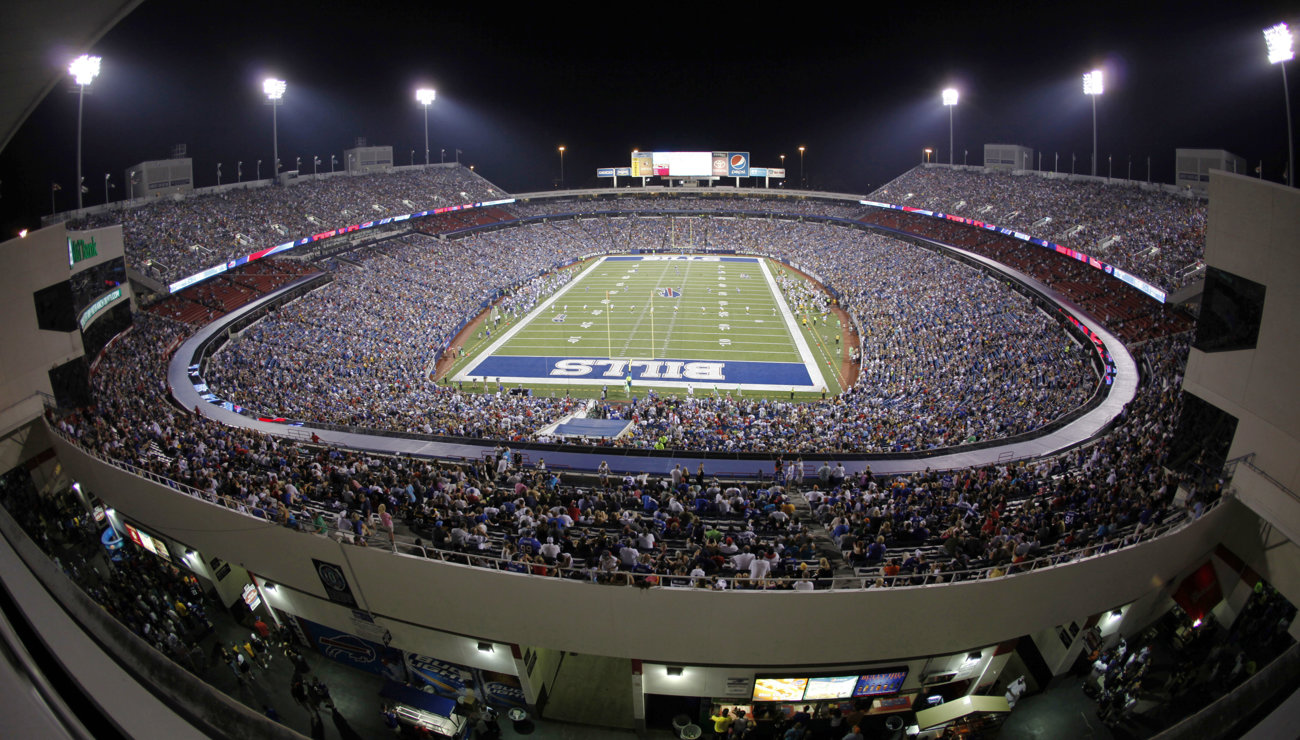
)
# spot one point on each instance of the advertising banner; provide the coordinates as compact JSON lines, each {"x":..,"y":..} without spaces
{"x":335,"y":583}
{"x":738,"y":164}
{"x":643,"y":164}
{"x":720,"y":160}
{"x":501,"y":690}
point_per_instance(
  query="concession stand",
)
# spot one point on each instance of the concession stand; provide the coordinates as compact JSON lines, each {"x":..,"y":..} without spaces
{"x":420,"y":709}
{"x":869,"y":699}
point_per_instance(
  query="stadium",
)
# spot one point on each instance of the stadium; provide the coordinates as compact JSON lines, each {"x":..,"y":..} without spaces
{"x":980,"y":450}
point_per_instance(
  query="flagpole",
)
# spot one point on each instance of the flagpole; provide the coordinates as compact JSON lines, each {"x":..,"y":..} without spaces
{"x":609,"y":316}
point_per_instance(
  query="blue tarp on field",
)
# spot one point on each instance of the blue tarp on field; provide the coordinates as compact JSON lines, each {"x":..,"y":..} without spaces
{"x":592,"y":427}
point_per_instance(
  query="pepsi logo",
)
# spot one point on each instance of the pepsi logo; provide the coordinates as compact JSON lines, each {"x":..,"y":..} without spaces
{"x":737,"y":160}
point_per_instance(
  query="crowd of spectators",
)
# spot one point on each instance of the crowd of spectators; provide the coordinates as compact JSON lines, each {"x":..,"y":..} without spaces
{"x":357,"y":352}
{"x":1126,"y":312}
{"x":1158,"y":236}
{"x":164,"y":607}
{"x":684,"y":529}
{"x":168,"y":239}
{"x":930,"y":525}
{"x":948,"y":356}
{"x":633,"y":201}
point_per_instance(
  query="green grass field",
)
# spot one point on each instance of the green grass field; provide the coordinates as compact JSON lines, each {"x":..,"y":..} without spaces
{"x":660,"y":308}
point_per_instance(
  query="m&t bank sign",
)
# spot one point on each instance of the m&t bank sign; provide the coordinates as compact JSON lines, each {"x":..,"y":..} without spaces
{"x":81,"y":249}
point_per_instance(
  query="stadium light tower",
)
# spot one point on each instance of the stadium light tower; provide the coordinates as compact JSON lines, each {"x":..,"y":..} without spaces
{"x":425,"y":96}
{"x":1093,"y":86}
{"x":561,"y":166}
{"x":950,"y":102}
{"x":802,"y":182}
{"x":83,"y":69}
{"x":927,"y":151}
{"x":1279,"y":40}
{"x":274,"y":90}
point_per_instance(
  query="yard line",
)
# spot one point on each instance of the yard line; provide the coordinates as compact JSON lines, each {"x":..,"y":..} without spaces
{"x":641,"y":315}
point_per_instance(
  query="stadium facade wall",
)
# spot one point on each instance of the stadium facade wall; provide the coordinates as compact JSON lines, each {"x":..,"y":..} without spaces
{"x":1252,"y":233}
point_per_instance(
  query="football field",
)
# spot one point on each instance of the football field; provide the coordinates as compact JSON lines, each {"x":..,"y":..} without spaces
{"x":677,"y":321}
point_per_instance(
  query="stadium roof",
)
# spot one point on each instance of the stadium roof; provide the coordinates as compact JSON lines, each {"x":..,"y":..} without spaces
{"x":37,"y":40}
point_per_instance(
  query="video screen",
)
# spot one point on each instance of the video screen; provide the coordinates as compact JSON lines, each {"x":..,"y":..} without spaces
{"x":876,"y":684}
{"x":683,"y":164}
{"x":830,"y":687}
{"x":89,"y":284}
{"x":779,"y":689}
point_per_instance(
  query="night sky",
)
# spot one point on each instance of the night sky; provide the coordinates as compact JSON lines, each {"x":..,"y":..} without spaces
{"x":860,"y":90}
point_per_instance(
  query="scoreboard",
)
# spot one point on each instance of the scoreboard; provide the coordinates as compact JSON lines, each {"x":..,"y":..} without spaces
{"x":690,"y":164}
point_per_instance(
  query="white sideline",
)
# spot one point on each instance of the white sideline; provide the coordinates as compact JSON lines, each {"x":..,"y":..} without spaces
{"x":805,"y":353}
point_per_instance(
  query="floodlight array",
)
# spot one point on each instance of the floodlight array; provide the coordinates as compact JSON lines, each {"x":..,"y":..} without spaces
{"x":1279,"y":42}
{"x":84,"y":69}
{"x":273,"y":88}
{"x":1092,"y":83}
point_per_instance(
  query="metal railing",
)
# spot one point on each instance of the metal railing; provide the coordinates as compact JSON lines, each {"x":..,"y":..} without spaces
{"x":1249,"y":461}
{"x":302,"y":520}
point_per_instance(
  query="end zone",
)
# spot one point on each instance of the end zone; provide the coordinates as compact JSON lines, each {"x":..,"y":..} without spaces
{"x":759,"y":376}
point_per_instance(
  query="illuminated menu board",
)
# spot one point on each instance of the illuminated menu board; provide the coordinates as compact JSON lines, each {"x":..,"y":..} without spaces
{"x":830,"y":687}
{"x":147,"y":541}
{"x":779,"y":689}
{"x":875,"y":684}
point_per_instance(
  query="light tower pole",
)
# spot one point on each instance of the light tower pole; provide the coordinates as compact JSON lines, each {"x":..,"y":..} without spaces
{"x":802,"y":182}
{"x":274,"y":90}
{"x":1279,"y":41}
{"x":425,"y":96}
{"x":83,"y":69}
{"x":561,"y":167}
{"x":950,"y":102}
{"x":1093,"y":86}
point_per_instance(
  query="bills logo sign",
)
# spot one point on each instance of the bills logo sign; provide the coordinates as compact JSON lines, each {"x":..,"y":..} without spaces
{"x":347,"y":648}
{"x":669,"y":293}
{"x":641,"y":369}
